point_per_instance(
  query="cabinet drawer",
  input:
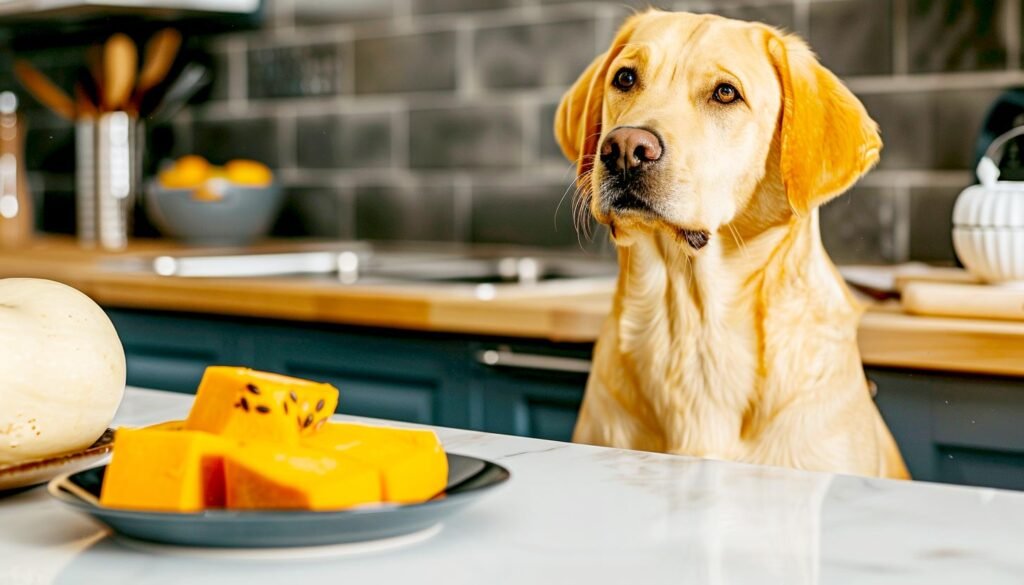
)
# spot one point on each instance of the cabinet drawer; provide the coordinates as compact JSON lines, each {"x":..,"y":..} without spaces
{"x":956,"y":428}
{"x":982,"y":467}
{"x":531,"y":391}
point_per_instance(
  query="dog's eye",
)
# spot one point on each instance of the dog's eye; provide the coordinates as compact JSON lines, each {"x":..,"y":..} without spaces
{"x":625,"y":78}
{"x":725,"y":94}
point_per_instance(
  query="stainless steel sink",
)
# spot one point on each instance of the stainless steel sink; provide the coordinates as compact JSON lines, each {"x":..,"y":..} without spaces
{"x":357,"y":262}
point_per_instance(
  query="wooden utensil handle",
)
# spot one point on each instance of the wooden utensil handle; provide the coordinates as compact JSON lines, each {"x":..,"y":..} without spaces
{"x":964,"y":300}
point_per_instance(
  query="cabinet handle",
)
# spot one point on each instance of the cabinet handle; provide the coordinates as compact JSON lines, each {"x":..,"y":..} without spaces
{"x":506,"y":358}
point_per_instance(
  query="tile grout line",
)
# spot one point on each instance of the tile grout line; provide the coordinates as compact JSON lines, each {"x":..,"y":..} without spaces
{"x":462,"y":207}
{"x":466,"y":82}
{"x":1013,"y":34}
{"x":530,"y":123}
{"x":881,"y":84}
{"x":901,"y":222}
{"x":802,"y":17}
{"x":900,"y":37}
{"x":238,"y":72}
{"x":287,"y":139}
{"x":400,"y":138}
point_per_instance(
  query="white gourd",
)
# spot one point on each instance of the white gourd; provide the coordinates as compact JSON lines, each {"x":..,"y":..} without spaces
{"x":62,"y":370}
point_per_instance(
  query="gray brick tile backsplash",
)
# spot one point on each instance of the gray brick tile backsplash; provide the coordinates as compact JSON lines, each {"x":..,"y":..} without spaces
{"x":223,"y":140}
{"x":548,"y":150}
{"x":781,"y":15}
{"x":853,"y":37}
{"x":221,"y":76}
{"x":417,"y":62}
{"x":929,"y":130}
{"x":406,"y":212}
{"x":860,"y":226}
{"x":434,"y":6}
{"x":631,"y":4}
{"x":466,"y":137}
{"x":956,"y":35}
{"x":295,"y":71}
{"x":519,"y":56}
{"x":320,"y":12}
{"x":50,"y":147}
{"x":407,"y":137}
{"x":526,"y":214}
{"x":931,"y":222}
{"x":343,"y":141}
{"x":322,"y":212}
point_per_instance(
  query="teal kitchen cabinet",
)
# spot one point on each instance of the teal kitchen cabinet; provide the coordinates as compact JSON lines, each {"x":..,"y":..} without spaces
{"x":531,"y":389}
{"x":170,"y":352}
{"x":381,"y":373}
{"x":950,"y":428}
{"x":387,"y":374}
{"x":534,"y":389}
{"x":956,"y":428}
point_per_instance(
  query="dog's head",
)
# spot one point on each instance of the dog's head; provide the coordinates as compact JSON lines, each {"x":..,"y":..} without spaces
{"x":687,"y":120}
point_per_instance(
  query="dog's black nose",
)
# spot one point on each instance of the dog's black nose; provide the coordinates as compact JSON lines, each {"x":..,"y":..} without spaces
{"x":629,"y":148}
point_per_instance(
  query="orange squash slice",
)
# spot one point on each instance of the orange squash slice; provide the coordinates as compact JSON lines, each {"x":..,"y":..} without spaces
{"x":411,"y":462}
{"x":245,"y":404}
{"x":165,"y":470}
{"x":256,"y":440}
{"x":265,"y":476}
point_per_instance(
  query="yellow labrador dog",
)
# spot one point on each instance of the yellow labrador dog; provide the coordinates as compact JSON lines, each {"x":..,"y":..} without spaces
{"x":706,"y":145}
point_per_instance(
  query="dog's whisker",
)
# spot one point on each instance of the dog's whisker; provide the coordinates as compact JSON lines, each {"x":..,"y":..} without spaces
{"x":738,"y":239}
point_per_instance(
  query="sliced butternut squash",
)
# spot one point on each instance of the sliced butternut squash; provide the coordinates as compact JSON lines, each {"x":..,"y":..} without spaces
{"x":246,"y":404}
{"x":256,"y":440}
{"x":412,"y":464}
{"x":266,"y":476}
{"x":165,"y":470}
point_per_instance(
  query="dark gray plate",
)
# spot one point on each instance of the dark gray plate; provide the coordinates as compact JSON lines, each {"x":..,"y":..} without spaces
{"x":468,"y":479}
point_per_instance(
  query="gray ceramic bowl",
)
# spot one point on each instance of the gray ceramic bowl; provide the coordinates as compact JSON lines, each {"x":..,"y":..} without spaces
{"x":244,"y":214}
{"x":469,"y":479}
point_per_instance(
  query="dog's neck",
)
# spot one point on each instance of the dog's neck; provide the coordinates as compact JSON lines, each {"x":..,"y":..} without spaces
{"x":697,"y":323}
{"x":724,"y":281}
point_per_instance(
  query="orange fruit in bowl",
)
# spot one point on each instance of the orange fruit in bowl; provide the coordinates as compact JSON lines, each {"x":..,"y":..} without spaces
{"x":248,"y":173}
{"x":186,"y":173}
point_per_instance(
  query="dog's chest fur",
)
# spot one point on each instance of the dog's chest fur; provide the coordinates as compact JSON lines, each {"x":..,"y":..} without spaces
{"x":688,"y":337}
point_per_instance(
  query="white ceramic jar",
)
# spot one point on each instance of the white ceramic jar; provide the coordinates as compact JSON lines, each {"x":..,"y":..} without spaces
{"x":988,"y":222}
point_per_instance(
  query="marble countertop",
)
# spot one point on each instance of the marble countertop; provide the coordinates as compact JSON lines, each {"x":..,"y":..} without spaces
{"x":579,"y":514}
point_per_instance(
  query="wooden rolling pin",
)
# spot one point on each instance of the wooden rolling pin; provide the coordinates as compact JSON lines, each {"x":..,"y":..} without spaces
{"x":964,"y":300}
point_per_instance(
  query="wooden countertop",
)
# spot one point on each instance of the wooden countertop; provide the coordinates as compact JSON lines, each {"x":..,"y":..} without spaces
{"x":567,"y":311}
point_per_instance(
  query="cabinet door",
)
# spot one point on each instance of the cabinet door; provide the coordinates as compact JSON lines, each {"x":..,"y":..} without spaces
{"x":531,"y":390}
{"x":380,"y":374}
{"x":956,"y":429}
{"x":168,"y":351}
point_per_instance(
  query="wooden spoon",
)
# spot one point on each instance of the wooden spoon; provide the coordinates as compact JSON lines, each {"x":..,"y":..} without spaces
{"x":44,"y":90}
{"x":94,"y":62}
{"x":120,"y":60}
{"x":161,"y":49}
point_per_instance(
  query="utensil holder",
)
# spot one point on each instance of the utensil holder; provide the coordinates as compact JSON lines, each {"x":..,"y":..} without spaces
{"x":107,"y":176}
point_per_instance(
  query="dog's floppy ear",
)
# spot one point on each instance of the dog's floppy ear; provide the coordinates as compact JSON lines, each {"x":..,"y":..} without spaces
{"x":578,"y":119}
{"x":827,"y":138}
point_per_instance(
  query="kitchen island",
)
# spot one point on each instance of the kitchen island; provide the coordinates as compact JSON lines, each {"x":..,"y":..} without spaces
{"x":580,"y":514}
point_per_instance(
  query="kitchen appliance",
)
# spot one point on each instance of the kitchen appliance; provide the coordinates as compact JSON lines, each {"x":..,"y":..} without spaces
{"x":988,"y":221}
